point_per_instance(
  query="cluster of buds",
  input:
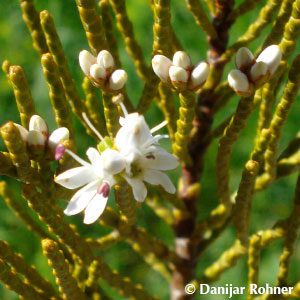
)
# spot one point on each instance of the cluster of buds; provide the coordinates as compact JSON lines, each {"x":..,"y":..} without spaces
{"x":180,"y":73}
{"x":252,"y":73}
{"x":101,"y":70}
{"x":38,"y":139}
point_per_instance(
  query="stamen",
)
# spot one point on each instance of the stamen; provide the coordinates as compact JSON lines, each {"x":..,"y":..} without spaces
{"x":159,"y":126}
{"x":88,"y":122}
{"x":77,"y":158}
{"x":125,"y":112}
{"x":59,"y":151}
{"x":103,"y":189}
{"x":118,"y":99}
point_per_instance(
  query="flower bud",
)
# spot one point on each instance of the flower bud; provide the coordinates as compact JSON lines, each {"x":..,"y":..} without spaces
{"x":178,"y":74}
{"x":244,"y":58}
{"x":272,"y":57}
{"x":161,"y":66}
{"x":86,"y":60}
{"x":37,"y":123}
{"x":117,"y":79}
{"x":258,"y":72}
{"x":200,"y":74}
{"x":239,"y":82}
{"x":113,"y":162}
{"x":105,"y":59}
{"x":57,"y":136}
{"x":23,"y":132}
{"x":181,"y":59}
{"x":98,"y":73}
{"x":35,"y":138}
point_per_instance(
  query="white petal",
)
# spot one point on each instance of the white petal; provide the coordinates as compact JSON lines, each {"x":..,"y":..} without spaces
{"x":23,"y":132}
{"x":159,"y":178}
{"x":86,"y":60}
{"x":181,"y":59}
{"x":244,"y":58}
{"x":134,"y":133}
{"x":37,"y":123}
{"x":161,"y":66}
{"x":258,"y":71}
{"x":160,"y":159}
{"x":81,"y":198}
{"x":238,"y":81}
{"x":178,"y":74}
{"x":35,"y":138}
{"x":94,"y":209}
{"x":117,"y":79}
{"x":76,"y":177}
{"x":200,"y":74}
{"x":112,"y":161}
{"x":105,"y":59}
{"x":97,"y":72}
{"x":154,"y":140}
{"x":57,"y":136}
{"x":94,"y":157}
{"x":138,"y":188}
{"x":272,"y":57}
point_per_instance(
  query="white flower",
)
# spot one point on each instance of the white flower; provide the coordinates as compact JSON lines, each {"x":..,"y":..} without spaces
{"x":145,"y":160}
{"x":180,"y":72}
{"x":95,"y":179}
{"x":101,"y":70}
{"x":253,"y":72}
{"x":38,"y":134}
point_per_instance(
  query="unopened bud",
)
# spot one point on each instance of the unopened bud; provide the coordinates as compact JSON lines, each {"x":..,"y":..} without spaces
{"x":98,"y":73}
{"x":37,"y":123}
{"x":200,"y":74}
{"x":244,"y":58}
{"x":272,"y":57}
{"x":58,"y":135}
{"x":181,"y":59}
{"x":23,"y":132}
{"x":105,"y":59}
{"x":239,"y":82}
{"x":117,"y":79}
{"x":86,"y":60}
{"x":161,"y":66}
{"x":258,"y":72}
{"x":59,"y":151}
{"x":103,"y":189}
{"x":35,"y":139}
{"x":178,"y":74}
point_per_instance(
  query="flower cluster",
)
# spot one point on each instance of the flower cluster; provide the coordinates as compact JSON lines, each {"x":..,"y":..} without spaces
{"x":38,"y":136}
{"x":135,"y":156}
{"x":252,"y":73}
{"x":180,"y":73}
{"x":101,"y":70}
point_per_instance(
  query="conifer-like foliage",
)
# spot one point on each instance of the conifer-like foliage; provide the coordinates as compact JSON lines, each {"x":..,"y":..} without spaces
{"x":44,"y":181}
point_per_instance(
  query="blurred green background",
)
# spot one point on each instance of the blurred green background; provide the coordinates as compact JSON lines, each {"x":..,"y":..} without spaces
{"x":269,"y":206}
